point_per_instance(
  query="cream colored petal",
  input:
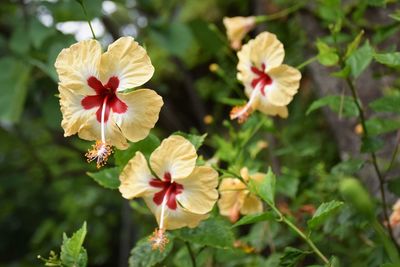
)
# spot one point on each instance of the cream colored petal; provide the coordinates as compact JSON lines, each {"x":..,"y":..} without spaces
{"x":237,"y":28}
{"x":266,"y":49}
{"x":135,"y":178}
{"x":77,"y":63}
{"x":245,"y":75}
{"x":199,"y":190}
{"x":91,"y":130}
{"x":143,"y":110}
{"x":285,"y":84}
{"x":231,"y":195}
{"x":74,"y":115}
{"x":174,"y":219}
{"x":128,"y":61}
{"x":251,"y":205}
{"x":267,"y":108}
{"x":176,"y":156}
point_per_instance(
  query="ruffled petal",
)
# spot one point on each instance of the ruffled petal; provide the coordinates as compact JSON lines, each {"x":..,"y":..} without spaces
{"x":128,"y":61}
{"x":266,"y":49}
{"x":76,"y":64}
{"x":91,"y":130}
{"x":237,"y":28}
{"x":251,"y":205}
{"x":142,"y":114}
{"x":245,"y":75}
{"x":74,"y":115}
{"x":174,"y":219}
{"x":231,"y":196}
{"x":285,"y":84}
{"x":135,"y":178}
{"x":267,"y":108}
{"x":199,"y":190}
{"x":176,"y":156}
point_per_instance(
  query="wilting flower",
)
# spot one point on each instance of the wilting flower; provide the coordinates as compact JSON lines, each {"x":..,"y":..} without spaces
{"x":178,"y":193}
{"x":395,"y":216}
{"x":92,"y":100}
{"x":269,"y":84}
{"x":237,"y":28}
{"x":236,"y":198}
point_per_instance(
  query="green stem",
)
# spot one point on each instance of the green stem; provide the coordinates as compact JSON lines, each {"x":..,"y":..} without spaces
{"x":280,"y":14}
{"x":244,"y":143}
{"x":303,"y":236}
{"x":396,"y":149}
{"x":192,"y":257}
{"x":305,"y":63}
{"x":87,"y":18}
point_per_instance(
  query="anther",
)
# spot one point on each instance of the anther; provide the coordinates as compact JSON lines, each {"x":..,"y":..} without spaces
{"x":100,"y":152}
{"x":158,"y":239}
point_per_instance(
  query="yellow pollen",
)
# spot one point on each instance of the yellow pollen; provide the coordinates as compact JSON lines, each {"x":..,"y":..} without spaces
{"x":158,"y":239}
{"x":100,"y":152}
{"x":240,"y":114}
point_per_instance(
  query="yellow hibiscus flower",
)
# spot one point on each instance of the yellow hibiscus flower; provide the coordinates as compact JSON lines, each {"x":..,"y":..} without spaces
{"x":92,"y":100}
{"x":179,"y":193}
{"x":235,"y":197}
{"x":269,"y":84}
{"x":237,"y":28}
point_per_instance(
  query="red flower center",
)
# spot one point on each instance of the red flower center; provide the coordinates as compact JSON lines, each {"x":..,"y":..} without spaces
{"x":262,"y":78}
{"x":104,"y":94}
{"x":167,"y":189}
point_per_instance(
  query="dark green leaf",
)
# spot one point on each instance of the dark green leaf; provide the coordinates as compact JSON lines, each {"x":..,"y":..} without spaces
{"x":348,"y":167}
{"x":390,"y":103}
{"x":394,"y":186}
{"x":214,"y":232}
{"x":253,"y":218}
{"x":20,"y":41}
{"x":360,"y":59}
{"x":388,"y":59}
{"x":265,"y":189}
{"x":108,"y":177}
{"x":377,"y":126}
{"x":72,"y":252}
{"x":38,"y":33}
{"x":343,"y":104}
{"x":291,"y":257}
{"x":14,"y":77}
{"x":323,"y":212}
{"x":371,"y":144}
{"x":334,"y":262}
{"x":143,"y":255}
{"x":146,"y":146}
{"x":196,"y":140}
{"x":206,"y":37}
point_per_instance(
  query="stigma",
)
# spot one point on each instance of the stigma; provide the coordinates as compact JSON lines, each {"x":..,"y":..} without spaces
{"x":100,"y":152}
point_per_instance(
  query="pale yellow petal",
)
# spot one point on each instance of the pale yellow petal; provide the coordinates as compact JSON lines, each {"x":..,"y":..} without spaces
{"x":251,"y":205}
{"x":176,"y":156}
{"x":245,"y":75}
{"x":77,"y":63}
{"x":91,"y":130}
{"x":174,"y":219}
{"x":128,"y":61}
{"x":285,"y":84}
{"x":237,"y":28}
{"x":267,"y":108}
{"x":135,"y":178}
{"x":199,"y":190}
{"x":231,"y":195}
{"x":143,"y":110}
{"x":267,"y":49}
{"x":74,"y":116}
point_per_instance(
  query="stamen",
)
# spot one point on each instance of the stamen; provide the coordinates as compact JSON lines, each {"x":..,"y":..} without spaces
{"x":99,"y":152}
{"x":158,"y":239}
{"x":243,"y":112}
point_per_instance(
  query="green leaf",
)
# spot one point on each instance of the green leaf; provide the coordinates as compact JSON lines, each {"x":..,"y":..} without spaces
{"x":143,"y":255}
{"x":389,"y":103}
{"x":323,"y":212}
{"x":360,"y":59}
{"x":265,"y":188}
{"x":253,"y":218}
{"x":376,"y":2}
{"x":72,"y":252}
{"x":336,"y":103}
{"x":377,"y":126}
{"x":354,"y":45}
{"x":396,"y":15}
{"x":214,"y":232}
{"x":196,"y":140}
{"x":20,"y":41}
{"x":146,"y":146}
{"x":394,"y":186}
{"x":355,"y":194}
{"x":371,"y":144}
{"x":327,"y":55}
{"x":348,"y":167}
{"x":38,"y":33}
{"x":291,"y":257}
{"x":14,"y":77}
{"x":334,"y":262}
{"x":206,"y":37}
{"x":108,"y":178}
{"x":388,"y":59}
